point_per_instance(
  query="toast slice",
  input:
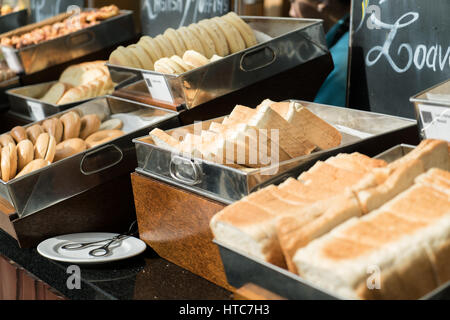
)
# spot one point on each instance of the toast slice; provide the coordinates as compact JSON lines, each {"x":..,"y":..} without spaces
{"x":55,"y":93}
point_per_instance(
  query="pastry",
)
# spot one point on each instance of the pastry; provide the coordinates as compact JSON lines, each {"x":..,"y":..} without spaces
{"x":234,"y":39}
{"x":194,"y":59}
{"x":220,"y":42}
{"x":111,"y":124}
{"x":5,"y":139}
{"x":89,"y":124}
{"x":191,"y":42}
{"x":33,"y":132}
{"x":33,"y":166}
{"x":54,"y":127}
{"x":45,"y":147}
{"x":69,"y":148}
{"x":72,"y":123}
{"x":244,"y":29}
{"x":19,"y":134}
{"x":8,"y":162}
{"x":209,"y":48}
{"x":25,"y":153}
{"x":178,"y":45}
{"x":103,"y":136}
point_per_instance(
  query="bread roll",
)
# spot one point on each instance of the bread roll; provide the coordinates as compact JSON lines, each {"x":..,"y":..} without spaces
{"x":8,"y":162}
{"x":220,"y":42}
{"x":72,"y":125}
{"x":33,"y":166}
{"x":19,"y":134}
{"x":69,"y":148}
{"x":53,"y":127}
{"x":45,"y":147}
{"x":175,"y":40}
{"x":232,"y":35}
{"x":33,"y":132}
{"x":25,"y":154}
{"x":89,"y":124}
{"x":244,"y":29}
{"x":6,"y":139}
{"x":204,"y":38}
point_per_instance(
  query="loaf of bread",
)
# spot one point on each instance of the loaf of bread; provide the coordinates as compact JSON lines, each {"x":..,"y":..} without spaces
{"x":79,"y":82}
{"x":253,"y":138}
{"x":399,"y":251}
{"x":210,"y":39}
{"x":275,"y":222}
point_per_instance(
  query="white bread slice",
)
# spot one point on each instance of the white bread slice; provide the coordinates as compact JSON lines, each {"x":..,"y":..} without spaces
{"x":72,"y":95}
{"x":163,"y":140}
{"x":407,"y":251}
{"x":55,"y":93}
{"x":291,"y":139}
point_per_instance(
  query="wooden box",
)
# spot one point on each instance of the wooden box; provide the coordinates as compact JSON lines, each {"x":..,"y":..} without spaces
{"x":175,"y":223}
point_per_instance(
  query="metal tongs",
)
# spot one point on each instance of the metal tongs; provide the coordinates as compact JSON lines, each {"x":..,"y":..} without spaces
{"x":103,"y":250}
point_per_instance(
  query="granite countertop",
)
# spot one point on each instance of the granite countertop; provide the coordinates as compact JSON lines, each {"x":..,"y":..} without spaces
{"x":147,"y":277}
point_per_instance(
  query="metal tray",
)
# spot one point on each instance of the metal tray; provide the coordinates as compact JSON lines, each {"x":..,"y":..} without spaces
{"x":43,"y":55}
{"x":83,"y":171}
{"x":241,"y":269}
{"x":294,"y":42}
{"x":432,"y":108}
{"x":226,"y":184}
{"x":24,"y":101}
{"x":13,"y":20}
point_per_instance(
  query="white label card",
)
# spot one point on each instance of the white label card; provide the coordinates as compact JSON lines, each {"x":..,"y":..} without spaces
{"x":436,"y":121}
{"x":12,"y":60}
{"x":158,"y":87}
{"x":36,"y":111}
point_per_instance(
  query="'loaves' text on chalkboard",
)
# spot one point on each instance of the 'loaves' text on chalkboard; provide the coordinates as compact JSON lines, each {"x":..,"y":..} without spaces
{"x":398,"y":49}
{"x":158,"y":15}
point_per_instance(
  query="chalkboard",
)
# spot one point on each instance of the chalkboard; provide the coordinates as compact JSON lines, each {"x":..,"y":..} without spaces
{"x":158,"y":15}
{"x":43,"y":9}
{"x":397,"y":49}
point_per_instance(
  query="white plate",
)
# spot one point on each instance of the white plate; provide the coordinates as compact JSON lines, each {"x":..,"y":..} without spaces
{"x":123,"y":249}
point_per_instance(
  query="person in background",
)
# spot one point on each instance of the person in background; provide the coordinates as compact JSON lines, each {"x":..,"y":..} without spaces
{"x":336,"y":21}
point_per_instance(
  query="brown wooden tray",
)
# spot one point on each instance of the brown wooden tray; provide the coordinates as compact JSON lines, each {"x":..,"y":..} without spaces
{"x":175,"y":223}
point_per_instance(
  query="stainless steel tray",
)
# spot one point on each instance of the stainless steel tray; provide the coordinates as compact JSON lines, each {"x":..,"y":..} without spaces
{"x":241,"y":268}
{"x":13,"y":20}
{"x":24,"y":101}
{"x":432,"y":108}
{"x":294,"y":42}
{"x":71,"y":176}
{"x":226,"y":184}
{"x":43,"y":55}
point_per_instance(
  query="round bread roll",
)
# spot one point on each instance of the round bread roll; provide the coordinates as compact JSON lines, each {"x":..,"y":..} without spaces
{"x":9,"y":162}
{"x":195,"y":59}
{"x":171,"y":35}
{"x":190,"y":40}
{"x":163,"y":67}
{"x":68,"y":148}
{"x":25,"y":154}
{"x":6,"y":139}
{"x":244,"y":29}
{"x":144,"y":58}
{"x":19,"y":134}
{"x":72,"y":124}
{"x":164,"y":44}
{"x":151,"y":47}
{"x":45,"y":147}
{"x":33,"y":166}
{"x":111,"y":124}
{"x":33,"y":132}
{"x":89,"y":124}
{"x":234,"y":38}
{"x":220,"y":42}
{"x":181,"y":63}
{"x":117,"y":57}
{"x":103,"y":136}
{"x":54,"y":127}
{"x":208,"y":44}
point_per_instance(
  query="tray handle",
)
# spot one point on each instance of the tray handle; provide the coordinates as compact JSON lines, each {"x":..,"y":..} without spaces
{"x":80,"y":39}
{"x":266,"y":54}
{"x":98,"y":152}
{"x":175,"y":168}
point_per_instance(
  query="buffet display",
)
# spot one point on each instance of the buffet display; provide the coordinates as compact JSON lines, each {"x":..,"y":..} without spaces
{"x":290,"y":195}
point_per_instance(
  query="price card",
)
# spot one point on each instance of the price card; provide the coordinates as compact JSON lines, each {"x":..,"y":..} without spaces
{"x":436,"y":121}
{"x":36,"y":111}
{"x":12,"y":60}
{"x":158,"y":87}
